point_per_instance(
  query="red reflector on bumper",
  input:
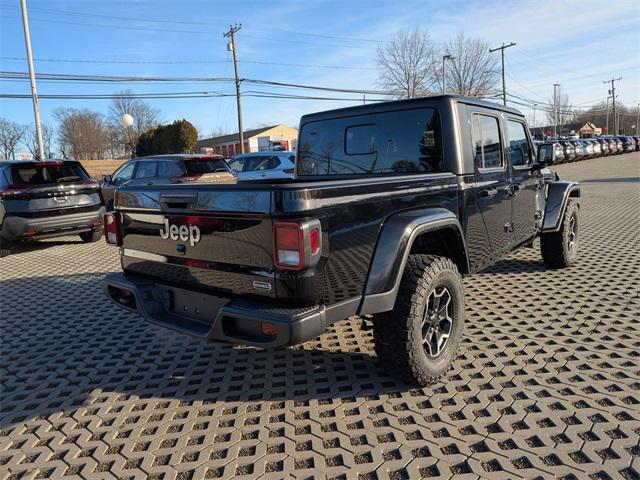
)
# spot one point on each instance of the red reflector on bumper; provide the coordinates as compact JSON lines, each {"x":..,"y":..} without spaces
{"x":269,"y":329}
{"x":29,"y":233}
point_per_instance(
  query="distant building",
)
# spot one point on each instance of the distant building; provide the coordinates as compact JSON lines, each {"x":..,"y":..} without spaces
{"x":586,"y":130}
{"x":276,"y":137}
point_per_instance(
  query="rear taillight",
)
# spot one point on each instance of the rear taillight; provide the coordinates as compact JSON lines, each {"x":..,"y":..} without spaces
{"x":15,"y":190}
{"x":113,"y":228}
{"x":90,"y":184}
{"x":296,"y":245}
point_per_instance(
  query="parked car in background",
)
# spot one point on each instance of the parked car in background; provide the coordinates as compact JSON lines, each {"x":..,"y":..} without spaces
{"x":597,"y":148}
{"x":581,"y":151}
{"x":166,"y":169}
{"x":264,"y":165}
{"x":47,"y":199}
{"x":613,"y":145}
{"x":637,"y":139}
{"x":628,"y":144}
{"x":569,"y":150}
{"x":619,"y":145}
{"x":587,"y":148}
{"x":604,"y":145}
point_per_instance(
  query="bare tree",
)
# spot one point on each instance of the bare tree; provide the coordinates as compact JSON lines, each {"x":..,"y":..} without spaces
{"x":82,"y":134}
{"x":144,"y":116}
{"x":31,"y":140}
{"x":11,"y":133}
{"x":473,"y":71}
{"x":407,"y":64}
{"x":560,"y":112}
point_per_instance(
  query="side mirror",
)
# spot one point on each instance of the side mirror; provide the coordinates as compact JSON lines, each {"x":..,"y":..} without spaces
{"x":107,"y":179}
{"x":546,"y":156}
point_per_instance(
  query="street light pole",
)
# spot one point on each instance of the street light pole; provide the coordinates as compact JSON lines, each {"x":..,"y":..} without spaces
{"x":504,"y":90}
{"x":233,"y":29}
{"x":555,"y":110}
{"x":444,"y":77}
{"x":32,"y":78}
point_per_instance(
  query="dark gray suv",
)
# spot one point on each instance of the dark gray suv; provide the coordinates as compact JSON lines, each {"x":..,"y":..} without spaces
{"x":47,"y":199}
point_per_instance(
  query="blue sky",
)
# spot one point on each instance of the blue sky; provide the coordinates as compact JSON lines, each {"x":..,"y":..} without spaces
{"x":576,"y":44}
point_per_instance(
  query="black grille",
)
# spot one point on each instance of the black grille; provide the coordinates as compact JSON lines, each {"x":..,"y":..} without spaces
{"x":57,"y":212}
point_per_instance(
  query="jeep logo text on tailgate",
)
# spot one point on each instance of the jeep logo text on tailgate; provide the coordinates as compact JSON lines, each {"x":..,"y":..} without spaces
{"x":183,"y":232}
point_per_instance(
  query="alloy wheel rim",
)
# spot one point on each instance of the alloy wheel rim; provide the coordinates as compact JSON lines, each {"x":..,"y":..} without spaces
{"x":573,"y":234}
{"x":437,"y":321}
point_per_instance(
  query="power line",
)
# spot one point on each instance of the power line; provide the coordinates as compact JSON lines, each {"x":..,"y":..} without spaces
{"x":185,"y":62}
{"x":145,"y":79}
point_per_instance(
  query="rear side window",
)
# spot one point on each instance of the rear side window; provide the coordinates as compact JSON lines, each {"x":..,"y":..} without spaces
{"x":519,"y":148}
{"x":486,"y":141}
{"x":146,"y":169}
{"x":198,"y":166}
{"x":34,"y":174}
{"x":546,"y":153}
{"x":391,"y":142}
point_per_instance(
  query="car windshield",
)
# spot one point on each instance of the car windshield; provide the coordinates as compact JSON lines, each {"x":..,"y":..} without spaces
{"x":47,"y":173}
{"x":205,"y":165}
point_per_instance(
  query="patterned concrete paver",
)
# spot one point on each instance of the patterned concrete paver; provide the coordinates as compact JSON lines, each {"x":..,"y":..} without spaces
{"x":547,"y":383}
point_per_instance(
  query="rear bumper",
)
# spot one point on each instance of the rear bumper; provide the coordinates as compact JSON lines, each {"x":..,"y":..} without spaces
{"x":14,"y":228}
{"x":214,"y":318}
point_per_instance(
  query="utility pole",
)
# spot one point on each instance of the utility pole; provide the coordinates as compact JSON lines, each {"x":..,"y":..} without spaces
{"x":607,"y":127}
{"x":444,"y":77}
{"x":637,"y":117}
{"x":613,"y":101}
{"x":504,"y":90}
{"x":534,"y":117}
{"x":32,"y":78}
{"x":233,"y":29}
{"x":555,"y":110}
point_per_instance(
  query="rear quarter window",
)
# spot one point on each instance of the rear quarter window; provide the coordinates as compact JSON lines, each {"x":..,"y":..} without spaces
{"x":197,"y":166}
{"x":407,"y":141}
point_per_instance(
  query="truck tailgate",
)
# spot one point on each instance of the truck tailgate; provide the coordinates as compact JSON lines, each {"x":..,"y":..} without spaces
{"x":214,"y":237}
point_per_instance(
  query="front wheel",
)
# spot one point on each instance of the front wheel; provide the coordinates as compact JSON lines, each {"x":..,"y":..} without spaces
{"x":91,"y":237}
{"x":418,"y":340}
{"x":560,"y":249}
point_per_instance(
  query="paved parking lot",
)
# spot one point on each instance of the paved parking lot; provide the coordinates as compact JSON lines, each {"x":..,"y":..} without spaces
{"x":547,"y":383}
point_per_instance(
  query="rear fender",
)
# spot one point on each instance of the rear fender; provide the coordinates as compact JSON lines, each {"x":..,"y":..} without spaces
{"x":558,"y":194}
{"x":400,"y":233}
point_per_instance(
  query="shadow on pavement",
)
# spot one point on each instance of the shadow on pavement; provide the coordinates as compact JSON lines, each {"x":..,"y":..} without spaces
{"x":65,"y":343}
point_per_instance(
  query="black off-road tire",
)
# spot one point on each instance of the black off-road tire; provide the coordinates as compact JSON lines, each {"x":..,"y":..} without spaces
{"x":560,"y":249}
{"x":91,"y":237}
{"x":398,"y":334}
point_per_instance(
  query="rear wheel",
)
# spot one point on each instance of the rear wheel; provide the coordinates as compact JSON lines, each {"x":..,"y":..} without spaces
{"x":418,"y":340}
{"x":560,"y":249}
{"x":90,"y":237}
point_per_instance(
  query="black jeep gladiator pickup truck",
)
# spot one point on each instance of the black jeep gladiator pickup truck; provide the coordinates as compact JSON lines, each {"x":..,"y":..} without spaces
{"x":390,"y":205}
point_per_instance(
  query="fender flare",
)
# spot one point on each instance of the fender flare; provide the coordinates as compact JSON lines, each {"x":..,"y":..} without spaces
{"x":392,"y":250}
{"x":558,"y":194}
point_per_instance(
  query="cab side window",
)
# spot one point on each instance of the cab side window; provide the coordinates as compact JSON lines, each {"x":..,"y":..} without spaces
{"x":519,"y":148}
{"x":486,"y":141}
{"x":125,"y":173}
{"x":146,"y":169}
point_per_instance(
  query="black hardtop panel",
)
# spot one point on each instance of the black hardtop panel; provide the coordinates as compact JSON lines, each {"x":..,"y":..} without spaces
{"x":441,"y":102}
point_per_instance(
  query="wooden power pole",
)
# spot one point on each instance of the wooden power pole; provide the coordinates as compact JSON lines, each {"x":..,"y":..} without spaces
{"x":233,"y":29}
{"x":504,"y":90}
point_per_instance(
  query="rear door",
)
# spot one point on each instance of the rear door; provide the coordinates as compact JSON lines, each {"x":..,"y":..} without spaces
{"x":492,"y":178}
{"x":525,"y":183}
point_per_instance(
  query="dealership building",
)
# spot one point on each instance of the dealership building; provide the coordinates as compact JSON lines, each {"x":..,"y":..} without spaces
{"x":276,"y":137}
